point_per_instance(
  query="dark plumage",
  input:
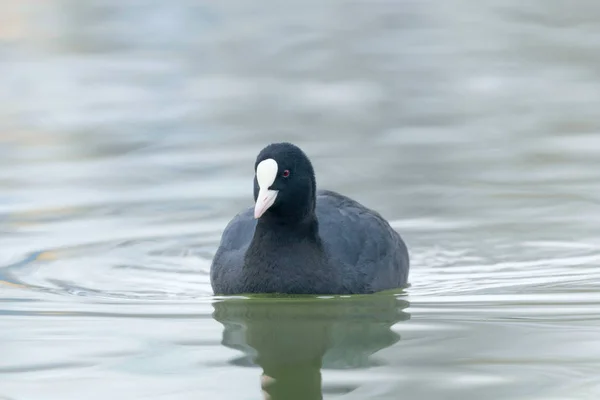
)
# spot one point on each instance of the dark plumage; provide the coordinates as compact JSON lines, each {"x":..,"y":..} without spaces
{"x":305,"y":241}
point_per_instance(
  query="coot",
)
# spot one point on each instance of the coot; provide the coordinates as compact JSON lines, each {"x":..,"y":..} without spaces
{"x":297,"y":240}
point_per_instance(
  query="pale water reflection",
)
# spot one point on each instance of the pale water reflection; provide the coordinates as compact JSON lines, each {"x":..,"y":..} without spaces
{"x":127,"y":136}
{"x":292,"y":340}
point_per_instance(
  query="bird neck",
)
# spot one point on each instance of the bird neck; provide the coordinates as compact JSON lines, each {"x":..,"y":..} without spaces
{"x":273,"y":238}
{"x":297,"y":215}
{"x":275,"y":229}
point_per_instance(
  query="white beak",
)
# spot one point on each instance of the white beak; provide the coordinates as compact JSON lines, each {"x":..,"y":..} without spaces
{"x":266,"y":172}
{"x":265,"y":199}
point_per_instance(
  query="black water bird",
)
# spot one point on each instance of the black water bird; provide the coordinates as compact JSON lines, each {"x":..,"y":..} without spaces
{"x":297,"y":240}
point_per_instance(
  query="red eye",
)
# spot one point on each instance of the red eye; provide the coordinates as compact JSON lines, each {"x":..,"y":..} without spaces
{"x":286,"y":173}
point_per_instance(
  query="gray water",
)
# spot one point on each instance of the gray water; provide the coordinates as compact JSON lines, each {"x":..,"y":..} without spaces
{"x":128,"y":131}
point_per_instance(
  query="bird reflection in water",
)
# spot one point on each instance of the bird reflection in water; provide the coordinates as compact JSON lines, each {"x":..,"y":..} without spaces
{"x":293,"y":338}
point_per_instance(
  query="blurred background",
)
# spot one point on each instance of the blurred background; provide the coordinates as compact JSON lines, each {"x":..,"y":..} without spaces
{"x":128,"y":131}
